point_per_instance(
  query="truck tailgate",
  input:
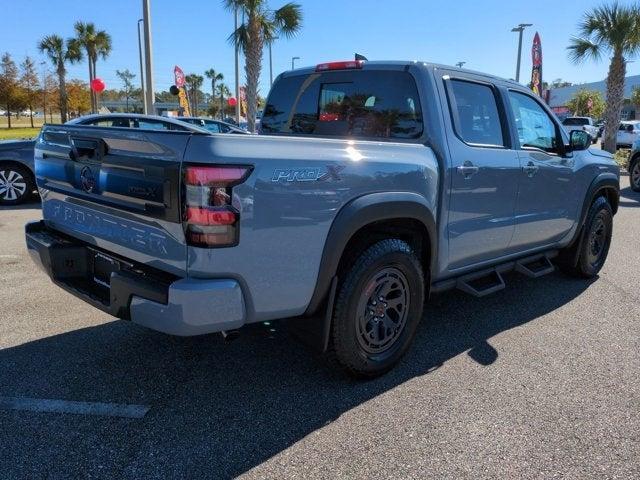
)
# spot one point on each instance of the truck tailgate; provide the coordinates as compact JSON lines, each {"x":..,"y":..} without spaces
{"x":117,"y":189}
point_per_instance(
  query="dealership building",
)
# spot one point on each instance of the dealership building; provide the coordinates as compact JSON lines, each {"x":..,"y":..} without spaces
{"x":559,"y":97}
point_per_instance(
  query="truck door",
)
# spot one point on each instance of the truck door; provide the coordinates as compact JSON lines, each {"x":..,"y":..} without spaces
{"x":483,"y":171}
{"x":546,"y":206}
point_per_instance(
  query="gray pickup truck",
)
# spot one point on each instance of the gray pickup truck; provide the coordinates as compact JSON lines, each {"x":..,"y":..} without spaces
{"x":371,"y":186}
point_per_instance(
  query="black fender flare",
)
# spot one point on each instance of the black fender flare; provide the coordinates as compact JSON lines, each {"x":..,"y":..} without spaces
{"x":605,"y":181}
{"x":358,"y":213}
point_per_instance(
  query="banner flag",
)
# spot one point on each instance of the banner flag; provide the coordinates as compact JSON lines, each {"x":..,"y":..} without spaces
{"x":182,"y":94}
{"x":536,"y":70}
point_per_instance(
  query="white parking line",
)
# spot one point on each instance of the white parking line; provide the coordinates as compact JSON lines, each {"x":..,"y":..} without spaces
{"x":77,"y":408}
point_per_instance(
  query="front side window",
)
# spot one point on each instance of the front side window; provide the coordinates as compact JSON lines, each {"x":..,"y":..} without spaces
{"x":535,"y":127}
{"x":213,"y":127}
{"x":365,"y":104}
{"x":476,"y":116}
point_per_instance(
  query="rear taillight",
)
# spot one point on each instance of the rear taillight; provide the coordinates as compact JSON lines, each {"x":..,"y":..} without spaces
{"x":210,"y":219}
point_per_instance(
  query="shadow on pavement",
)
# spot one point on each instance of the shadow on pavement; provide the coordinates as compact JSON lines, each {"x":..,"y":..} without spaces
{"x":218,"y":410}
{"x":629,"y":198}
{"x":30,"y":205}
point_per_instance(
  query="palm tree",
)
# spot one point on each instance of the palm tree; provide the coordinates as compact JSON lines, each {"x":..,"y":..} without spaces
{"x":96,"y":43}
{"x":214,"y":76}
{"x":222,"y":91}
{"x":260,"y":26}
{"x":611,"y":30}
{"x":60,"y":52}
{"x":194,"y":82}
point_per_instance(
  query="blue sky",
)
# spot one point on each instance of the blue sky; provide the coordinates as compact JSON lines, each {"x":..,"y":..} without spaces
{"x":193,"y":34}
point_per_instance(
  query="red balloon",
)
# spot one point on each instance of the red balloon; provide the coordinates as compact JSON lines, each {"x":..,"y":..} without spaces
{"x":97,"y":85}
{"x":232,"y":102}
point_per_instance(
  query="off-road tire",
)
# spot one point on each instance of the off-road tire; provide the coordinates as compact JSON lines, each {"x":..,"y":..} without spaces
{"x":596,"y":240}
{"x":634,"y":174}
{"x":391,"y":266}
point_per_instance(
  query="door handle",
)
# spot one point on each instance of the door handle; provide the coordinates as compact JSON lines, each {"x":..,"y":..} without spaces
{"x":530,"y":169}
{"x":468,"y":169}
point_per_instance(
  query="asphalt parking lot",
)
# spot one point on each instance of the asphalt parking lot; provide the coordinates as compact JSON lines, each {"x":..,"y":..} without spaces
{"x":541,"y":380}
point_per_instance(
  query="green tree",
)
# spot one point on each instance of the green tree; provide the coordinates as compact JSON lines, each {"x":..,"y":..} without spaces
{"x":48,"y":91}
{"x":612,"y":31}
{"x":587,"y":103}
{"x":194,"y":82}
{"x":9,"y":86}
{"x":214,"y":77}
{"x":30,"y":85}
{"x":95,"y":43}
{"x":79,"y":97}
{"x":260,"y":27}
{"x":223,"y":91}
{"x":60,"y":52}
{"x":127,"y":81}
{"x":635,"y":96}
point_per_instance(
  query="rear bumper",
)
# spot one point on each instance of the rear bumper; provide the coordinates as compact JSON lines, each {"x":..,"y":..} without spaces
{"x":147,"y":296}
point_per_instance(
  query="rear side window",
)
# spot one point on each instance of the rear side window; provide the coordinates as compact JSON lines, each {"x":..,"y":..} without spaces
{"x":360,"y":104}
{"x":475,"y":112}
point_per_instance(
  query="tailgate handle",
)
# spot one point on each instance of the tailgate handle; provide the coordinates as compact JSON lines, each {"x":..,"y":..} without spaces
{"x":87,"y":148}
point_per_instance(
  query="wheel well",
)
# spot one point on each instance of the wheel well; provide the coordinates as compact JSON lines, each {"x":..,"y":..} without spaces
{"x":612,"y":196}
{"x":22,"y":166}
{"x":410,"y":230}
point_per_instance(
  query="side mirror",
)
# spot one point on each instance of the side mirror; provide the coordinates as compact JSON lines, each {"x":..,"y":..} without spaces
{"x":579,"y":140}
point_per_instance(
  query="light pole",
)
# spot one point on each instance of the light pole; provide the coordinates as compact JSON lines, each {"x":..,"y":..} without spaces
{"x":520,"y":28}
{"x":460,"y":64}
{"x":44,"y":90}
{"x":293,"y":62}
{"x":149,"y":91}
{"x":144,"y":103}
{"x":271,"y":61}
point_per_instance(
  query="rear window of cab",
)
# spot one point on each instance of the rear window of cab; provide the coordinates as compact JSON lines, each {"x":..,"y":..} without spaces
{"x":355,"y":104}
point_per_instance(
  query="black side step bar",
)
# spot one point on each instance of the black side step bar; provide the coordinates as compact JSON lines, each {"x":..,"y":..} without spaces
{"x":535,"y":267}
{"x":488,"y":281}
{"x":481,"y":283}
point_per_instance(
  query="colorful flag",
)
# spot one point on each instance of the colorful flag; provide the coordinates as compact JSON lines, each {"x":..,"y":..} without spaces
{"x":178,"y":75}
{"x":536,"y":70}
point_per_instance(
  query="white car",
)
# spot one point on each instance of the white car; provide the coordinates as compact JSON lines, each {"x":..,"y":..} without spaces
{"x":581,"y":123}
{"x":628,"y":133}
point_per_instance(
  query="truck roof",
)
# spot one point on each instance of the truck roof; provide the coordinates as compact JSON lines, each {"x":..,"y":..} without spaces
{"x":399,"y":64}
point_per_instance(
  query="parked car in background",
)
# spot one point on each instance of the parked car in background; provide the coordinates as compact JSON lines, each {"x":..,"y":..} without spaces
{"x":17,"y":179}
{"x":132,"y":120}
{"x":634,"y":166}
{"x":582,"y":123}
{"x":628,"y":133}
{"x":214,"y":126}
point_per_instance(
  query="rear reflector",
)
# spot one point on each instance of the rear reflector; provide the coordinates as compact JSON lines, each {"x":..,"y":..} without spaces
{"x":347,"y":65}
{"x":210,"y":216}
